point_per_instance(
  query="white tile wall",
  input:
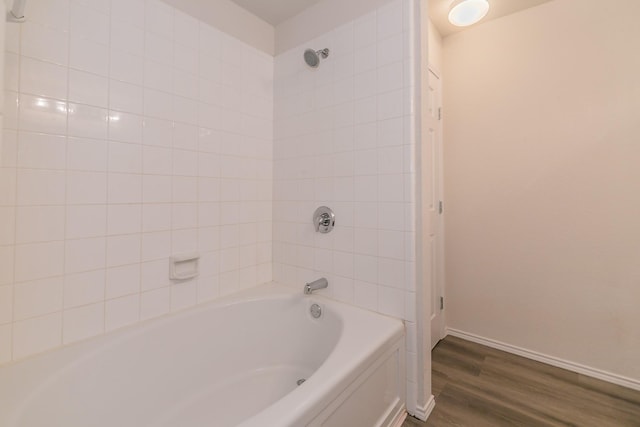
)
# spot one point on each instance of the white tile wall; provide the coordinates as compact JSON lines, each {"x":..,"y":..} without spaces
{"x":132,"y":132}
{"x":344,"y":138}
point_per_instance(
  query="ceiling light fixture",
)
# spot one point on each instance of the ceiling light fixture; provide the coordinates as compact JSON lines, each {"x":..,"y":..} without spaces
{"x":467,"y":12}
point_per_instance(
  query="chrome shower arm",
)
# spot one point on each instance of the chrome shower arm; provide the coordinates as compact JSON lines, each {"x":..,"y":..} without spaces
{"x":16,"y":13}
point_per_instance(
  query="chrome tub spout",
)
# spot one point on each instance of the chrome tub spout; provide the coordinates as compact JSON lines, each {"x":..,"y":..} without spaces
{"x":315,"y":285}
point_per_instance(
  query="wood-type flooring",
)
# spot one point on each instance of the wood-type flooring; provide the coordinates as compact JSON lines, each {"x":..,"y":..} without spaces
{"x":477,"y":386}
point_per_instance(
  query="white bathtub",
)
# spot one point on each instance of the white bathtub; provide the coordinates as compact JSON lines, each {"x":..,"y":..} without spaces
{"x":234,"y":362}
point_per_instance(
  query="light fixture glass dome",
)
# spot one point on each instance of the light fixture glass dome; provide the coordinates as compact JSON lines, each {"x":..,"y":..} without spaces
{"x":467,"y":12}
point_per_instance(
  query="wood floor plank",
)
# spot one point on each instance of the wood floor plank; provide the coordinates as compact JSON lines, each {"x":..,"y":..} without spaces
{"x":559,"y":393}
{"x":478,"y":386}
{"x":612,"y":390}
{"x":493,"y":408}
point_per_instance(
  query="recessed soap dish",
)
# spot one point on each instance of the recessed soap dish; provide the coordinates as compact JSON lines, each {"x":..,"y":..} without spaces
{"x":184,"y":267}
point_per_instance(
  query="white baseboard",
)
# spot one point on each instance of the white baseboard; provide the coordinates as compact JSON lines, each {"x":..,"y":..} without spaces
{"x":422,"y":413}
{"x":399,"y":420}
{"x":549,"y":360}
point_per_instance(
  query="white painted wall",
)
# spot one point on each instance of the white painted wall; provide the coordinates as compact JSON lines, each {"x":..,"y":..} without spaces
{"x":542,"y":117}
{"x":435,"y":53}
{"x":132,"y":132}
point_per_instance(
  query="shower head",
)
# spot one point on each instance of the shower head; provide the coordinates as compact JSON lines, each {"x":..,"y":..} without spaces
{"x":16,"y":13}
{"x":312,"y":57}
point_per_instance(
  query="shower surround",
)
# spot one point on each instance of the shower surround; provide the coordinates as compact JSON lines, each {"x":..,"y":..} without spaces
{"x":345,"y":138}
{"x":132,"y":132}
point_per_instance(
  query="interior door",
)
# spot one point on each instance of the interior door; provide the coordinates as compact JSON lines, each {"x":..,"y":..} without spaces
{"x":433,"y":158}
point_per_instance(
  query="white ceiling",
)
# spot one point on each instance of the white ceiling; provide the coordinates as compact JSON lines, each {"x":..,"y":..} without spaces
{"x":439,"y":10}
{"x":275,"y":11}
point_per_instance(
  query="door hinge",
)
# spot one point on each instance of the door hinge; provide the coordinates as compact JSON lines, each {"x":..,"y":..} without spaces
{"x":441,"y":303}
{"x":440,"y":207}
{"x":440,"y":113}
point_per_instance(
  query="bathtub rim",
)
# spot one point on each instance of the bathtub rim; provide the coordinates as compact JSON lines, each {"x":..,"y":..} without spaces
{"x":342,"y":375}
{"x":330,"y":378}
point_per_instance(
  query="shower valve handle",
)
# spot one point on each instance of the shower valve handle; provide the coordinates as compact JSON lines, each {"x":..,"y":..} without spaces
{"x":324,"y":219}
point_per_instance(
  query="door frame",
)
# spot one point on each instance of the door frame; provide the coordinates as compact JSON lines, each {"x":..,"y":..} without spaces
{"x":440,"y":275}
{"x":438,"y":257}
